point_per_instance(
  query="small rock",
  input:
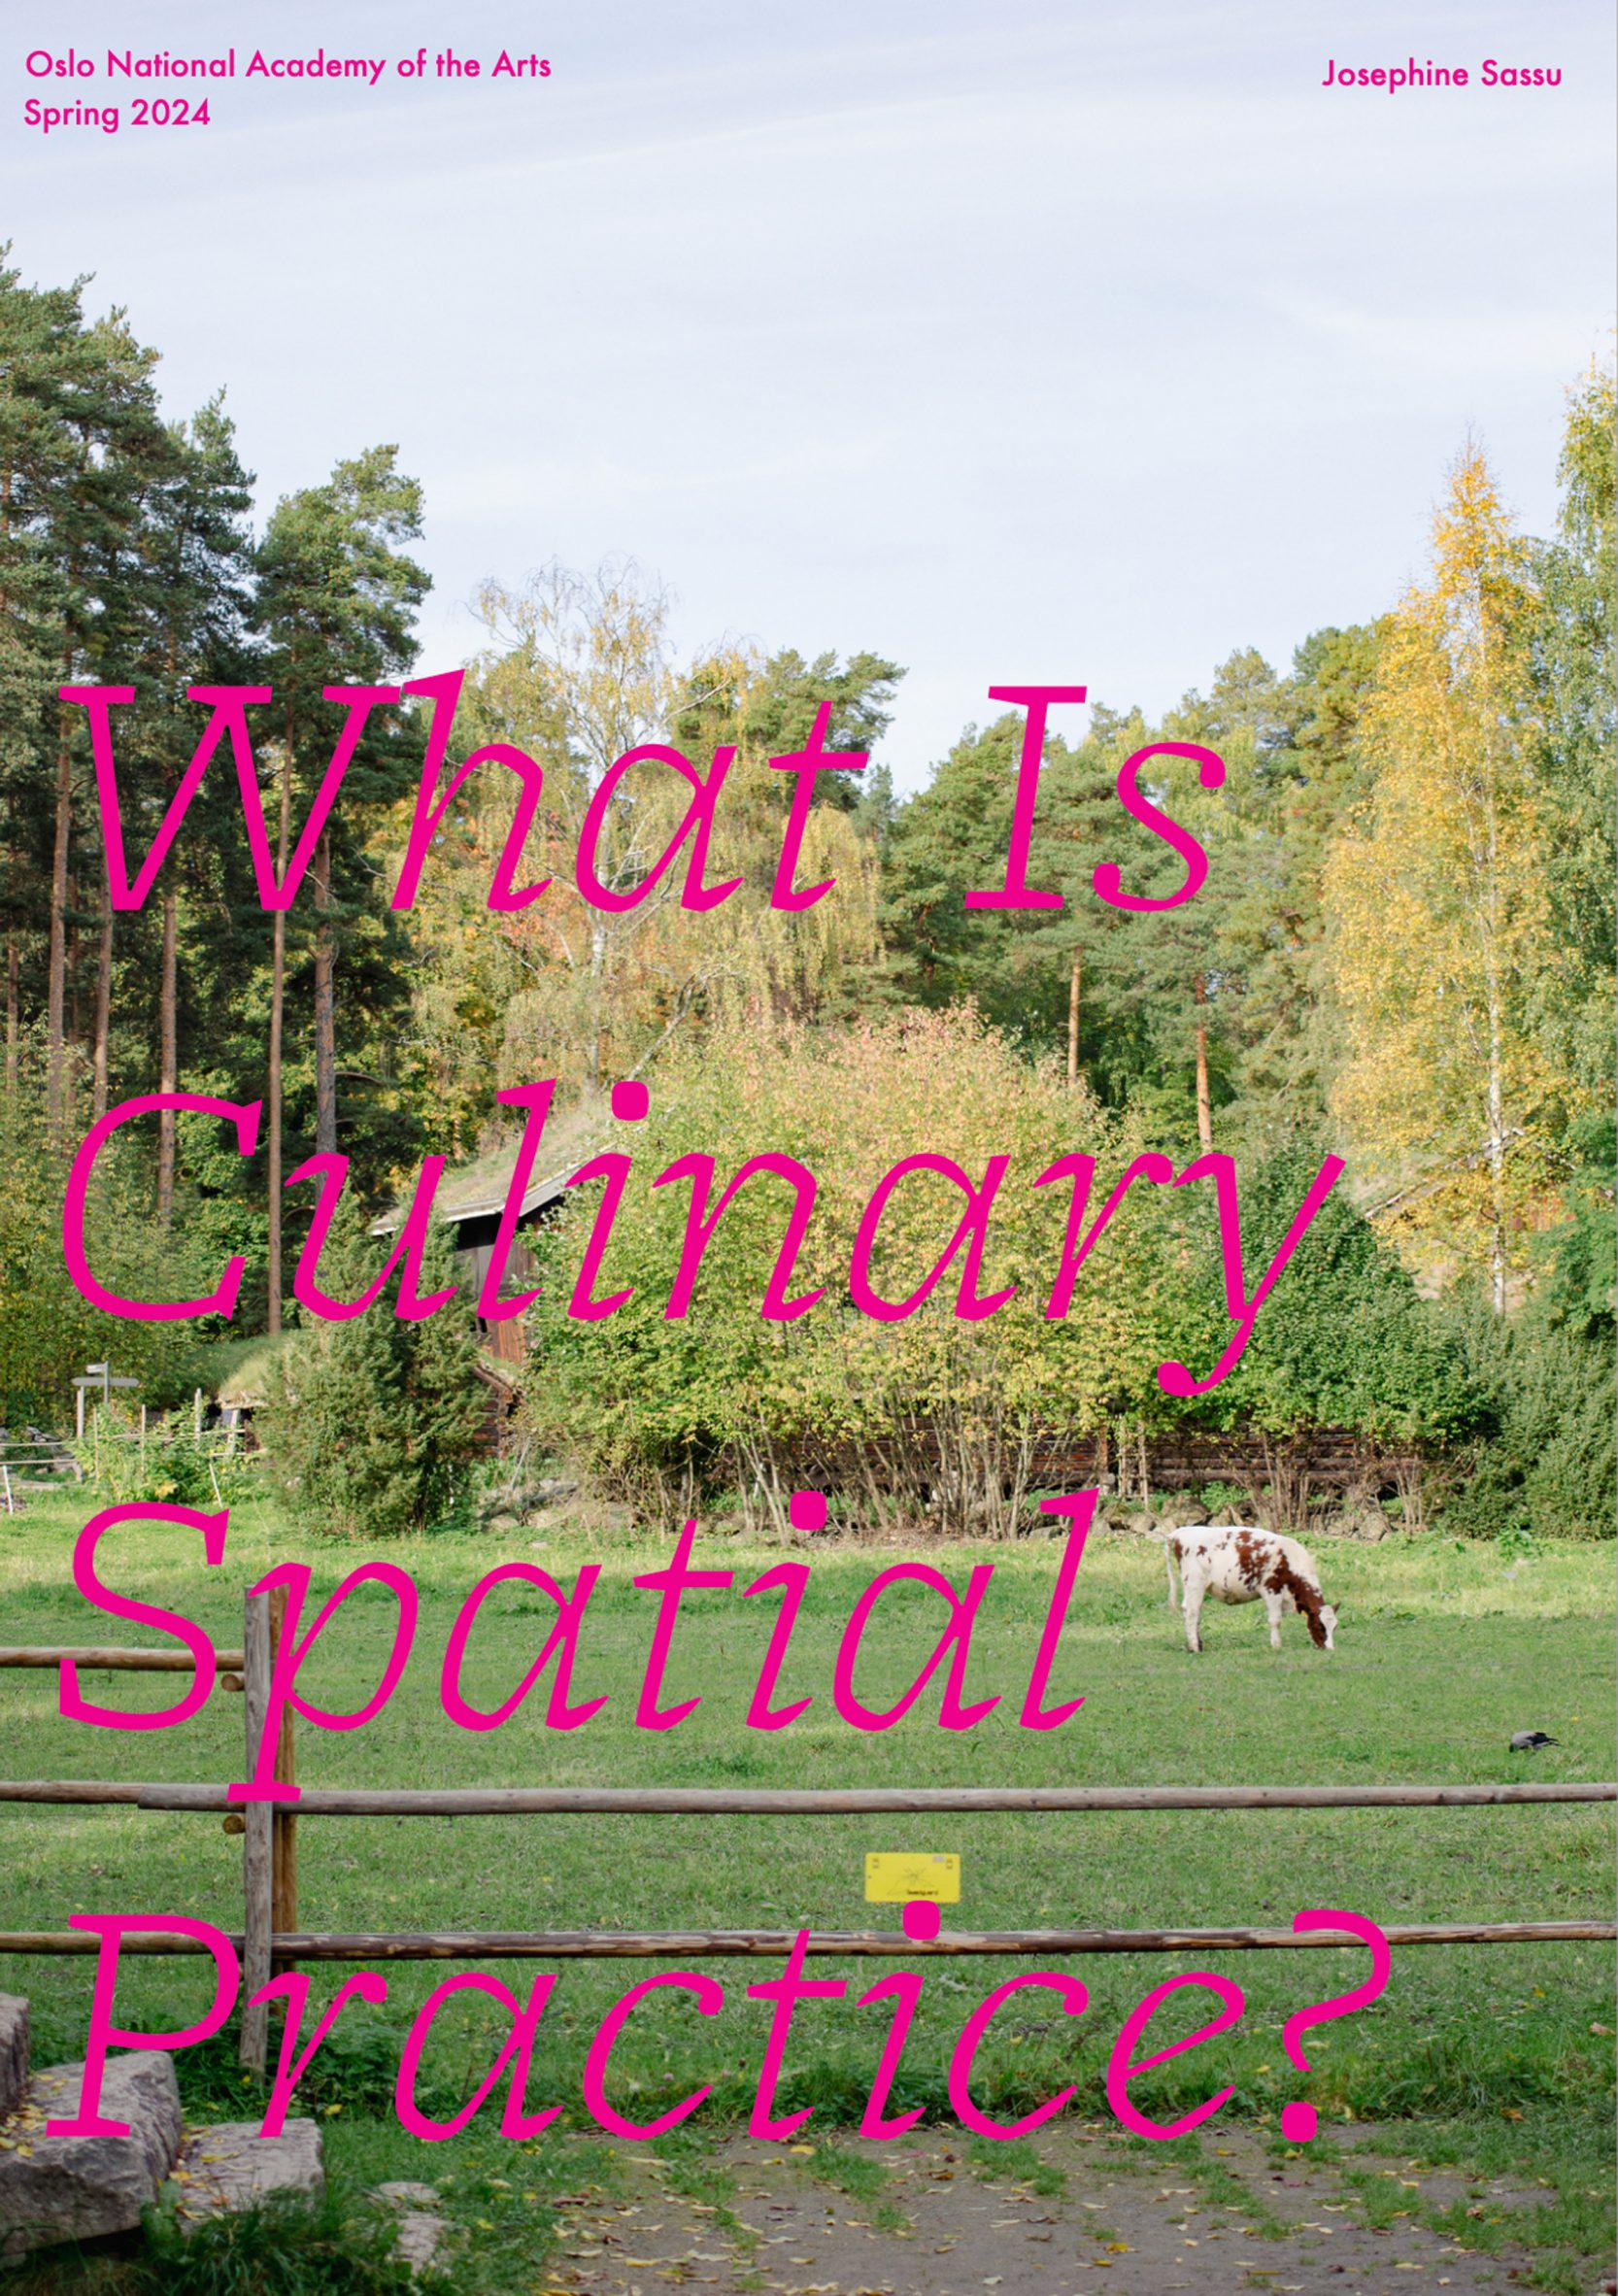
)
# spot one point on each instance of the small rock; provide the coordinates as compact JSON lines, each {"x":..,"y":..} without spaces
{"x":405,"y":2193}
{"x":419,"y":2238}
{"x":422,"y":2231}
{"x":231,"y":2166}
{"x":1179,"y":1513}
{"x":13,"y":2052}
{"x":503,"y":1522}
{"x":75,"y":2188}
{"x":1368,"y":1524}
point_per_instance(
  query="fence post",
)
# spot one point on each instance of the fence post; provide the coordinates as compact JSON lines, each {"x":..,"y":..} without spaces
{"x":258,"y":1844}
{"x":283,"y":1825}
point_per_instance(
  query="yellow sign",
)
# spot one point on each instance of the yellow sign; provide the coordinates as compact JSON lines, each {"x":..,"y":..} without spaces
{"x":892,"y":1876}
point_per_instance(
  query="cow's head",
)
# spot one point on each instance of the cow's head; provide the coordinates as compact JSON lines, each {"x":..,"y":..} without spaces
{"x":1328,"y":1620}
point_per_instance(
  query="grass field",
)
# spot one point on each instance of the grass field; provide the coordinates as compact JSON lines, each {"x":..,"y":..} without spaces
{"x":1442,"y":1651}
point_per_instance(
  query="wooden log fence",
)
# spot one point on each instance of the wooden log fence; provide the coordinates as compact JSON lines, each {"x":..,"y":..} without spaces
{"x":791,"y":1801}
{"x":271,"y":1939}
{"x":664,"y":1944}
{"x":116,"y":1659}
{"x":257,"y":1845}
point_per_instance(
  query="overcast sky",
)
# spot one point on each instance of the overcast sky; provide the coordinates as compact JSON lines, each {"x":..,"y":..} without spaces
{"x":1081,"y":342}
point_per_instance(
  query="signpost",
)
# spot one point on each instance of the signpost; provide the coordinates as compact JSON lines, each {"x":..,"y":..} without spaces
{"x":96,"y":1375}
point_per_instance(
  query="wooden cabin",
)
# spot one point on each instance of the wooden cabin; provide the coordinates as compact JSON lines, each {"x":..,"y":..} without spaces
{"x":472,"y":1197}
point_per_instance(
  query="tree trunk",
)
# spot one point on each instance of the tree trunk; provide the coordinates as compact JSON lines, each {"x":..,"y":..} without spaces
{"x":278,"y":1008}
{"x":55,"y":991}
{"x":103,"y":1007}
{"x":13,"y":1006}
{"x":74,"y":1015}
{"x":598,"y":993}
{"x":1497,"y":1159}
{"x":326,"y":1006}
{"x":168,"y":1025}
{"x":1074,"y":983}
{"x":1205,"y":1101}
{"x":1497,"y":1084}
{"x":167,"y":1056}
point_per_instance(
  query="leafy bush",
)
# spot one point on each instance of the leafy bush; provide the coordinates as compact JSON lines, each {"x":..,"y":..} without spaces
{"x":724,"y":1396}
{"x":373,"y":1424}
{"x":935,"y":1413}
{"x":48,"y":1330}
{"x":1344,"y":1339}
{"x":170,"y":1466}
{"x":1547,"y":1461}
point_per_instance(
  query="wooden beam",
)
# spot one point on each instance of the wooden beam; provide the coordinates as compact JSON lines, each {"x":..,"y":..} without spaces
{"x":116,"y":1660}
{"x":611,"y":1945}
{"x":771,"y":1801}
{"x":284,"y":1823}
{"x":257,"y":1872}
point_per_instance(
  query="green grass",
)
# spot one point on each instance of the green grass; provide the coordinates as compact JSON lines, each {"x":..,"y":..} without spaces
{"x":1017,"y":2163}
{"x":1441,"y":1655}
{"x":341,"y":2247}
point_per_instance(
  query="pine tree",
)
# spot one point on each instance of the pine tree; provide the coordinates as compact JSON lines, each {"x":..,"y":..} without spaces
{"x":336,"y":606}
{"x":195,"y":564}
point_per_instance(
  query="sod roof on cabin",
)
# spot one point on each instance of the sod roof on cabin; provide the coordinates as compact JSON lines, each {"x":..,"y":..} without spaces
{"x":240,"y":1369}
{"x":478,"y":1190}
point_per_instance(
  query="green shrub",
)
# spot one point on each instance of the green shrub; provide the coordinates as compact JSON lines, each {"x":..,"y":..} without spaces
{"x":1344,"y":1339}
{"x":1547,"y":1461}
{"x":169,"y":1465}
{"x":665,"y":1408}
{"x":48,"y":1330}
{"x":373,"y":1424}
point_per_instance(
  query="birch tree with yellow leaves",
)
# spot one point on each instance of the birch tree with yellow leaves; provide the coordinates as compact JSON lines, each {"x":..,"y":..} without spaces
{"x":1437,"y":900}
{"x":580,"y":673}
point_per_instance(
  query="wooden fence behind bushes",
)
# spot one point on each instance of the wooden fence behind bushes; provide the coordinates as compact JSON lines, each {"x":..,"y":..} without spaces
{"x":1278,"y":1475}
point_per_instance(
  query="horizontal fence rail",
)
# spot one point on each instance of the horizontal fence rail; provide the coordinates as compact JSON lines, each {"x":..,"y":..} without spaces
{"x":688,"y":1945}
{"x":789,"y":1802}
{"x":116,"y":1659}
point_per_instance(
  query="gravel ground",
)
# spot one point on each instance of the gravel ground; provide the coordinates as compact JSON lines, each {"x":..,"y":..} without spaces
{"x":1080,"y":2215}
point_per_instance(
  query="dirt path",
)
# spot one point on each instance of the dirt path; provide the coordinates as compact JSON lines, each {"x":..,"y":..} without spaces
{"x":1073,"y":2215}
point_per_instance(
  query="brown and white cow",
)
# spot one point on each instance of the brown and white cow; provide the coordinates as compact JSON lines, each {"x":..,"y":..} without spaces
{"x":1237,"y":1564}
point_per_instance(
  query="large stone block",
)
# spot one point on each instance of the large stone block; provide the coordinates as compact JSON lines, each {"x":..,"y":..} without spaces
{"x":66,"y":2188}
{"x":231,"y":2166}
{"x":13,"y":2052}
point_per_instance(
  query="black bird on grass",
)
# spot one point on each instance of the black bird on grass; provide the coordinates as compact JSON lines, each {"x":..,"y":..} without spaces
{"x":1530,"y":1741}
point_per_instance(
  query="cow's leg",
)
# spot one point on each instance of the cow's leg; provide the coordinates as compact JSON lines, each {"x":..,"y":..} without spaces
{"x":1272,"y":1603}
{"x":1193,"y":1591}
